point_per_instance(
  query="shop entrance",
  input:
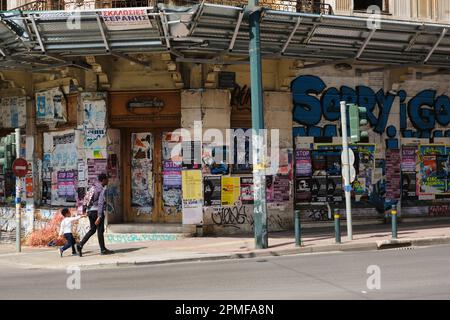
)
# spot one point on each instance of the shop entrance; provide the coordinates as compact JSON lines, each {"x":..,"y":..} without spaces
{"x":152,"y":180}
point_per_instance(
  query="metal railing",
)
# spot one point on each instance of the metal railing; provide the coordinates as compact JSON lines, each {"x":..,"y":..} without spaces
{"x":309,"y":6}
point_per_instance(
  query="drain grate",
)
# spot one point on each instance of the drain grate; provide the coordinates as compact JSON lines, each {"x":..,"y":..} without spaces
{"x":405,"y":248}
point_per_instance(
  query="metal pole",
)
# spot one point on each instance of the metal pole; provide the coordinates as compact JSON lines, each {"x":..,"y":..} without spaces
{"x":394,"y":221}
{"x":259,"y":174}
{"x":346,"y":170}
{"x":337,"y":226}
{"x":298,"y":232}
{"x":18,"y":198}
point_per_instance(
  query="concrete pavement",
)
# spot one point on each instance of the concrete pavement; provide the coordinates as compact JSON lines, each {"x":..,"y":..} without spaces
{"x":233,"y":247}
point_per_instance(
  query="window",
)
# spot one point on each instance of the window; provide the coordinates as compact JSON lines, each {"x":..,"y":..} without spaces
{"x":362,"y":5}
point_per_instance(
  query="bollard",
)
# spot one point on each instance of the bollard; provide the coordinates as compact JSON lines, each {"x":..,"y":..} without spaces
{"x":337,"y":225}
{"x":394,"y":221}
{"x":298,"y":234}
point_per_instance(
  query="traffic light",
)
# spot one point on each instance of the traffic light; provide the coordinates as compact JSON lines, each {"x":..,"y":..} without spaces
{"x":357,"y":119}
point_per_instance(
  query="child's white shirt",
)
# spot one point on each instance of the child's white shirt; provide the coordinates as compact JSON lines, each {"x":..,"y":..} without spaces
{"x":66,"y":224}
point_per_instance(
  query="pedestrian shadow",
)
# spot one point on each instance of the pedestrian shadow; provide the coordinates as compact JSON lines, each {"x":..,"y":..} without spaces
{"x":117,"y":251}
{"x":128,"y":250}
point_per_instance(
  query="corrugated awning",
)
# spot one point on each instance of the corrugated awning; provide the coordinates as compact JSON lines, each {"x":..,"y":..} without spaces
{"x":35,"y":40}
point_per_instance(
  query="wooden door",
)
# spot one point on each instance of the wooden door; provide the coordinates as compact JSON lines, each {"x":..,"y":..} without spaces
{"x":146,"y":197}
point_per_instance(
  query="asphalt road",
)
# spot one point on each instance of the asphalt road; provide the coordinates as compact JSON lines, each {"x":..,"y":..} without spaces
{"x":417,"y":273}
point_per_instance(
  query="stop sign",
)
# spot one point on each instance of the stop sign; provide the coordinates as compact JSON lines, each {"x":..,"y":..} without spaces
{"x":20,"y":167}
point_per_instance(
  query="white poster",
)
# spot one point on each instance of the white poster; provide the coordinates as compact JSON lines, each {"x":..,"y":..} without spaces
{"x":13,"y":112}
{"x":51,"y":106}
{"x":192,"y":212}
{"x":94,"y":111}
{"x":126,"y":19}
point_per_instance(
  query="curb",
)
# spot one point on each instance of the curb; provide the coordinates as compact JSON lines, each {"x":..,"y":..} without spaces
{"x":343,"y":247}
{"x":248,"y":255}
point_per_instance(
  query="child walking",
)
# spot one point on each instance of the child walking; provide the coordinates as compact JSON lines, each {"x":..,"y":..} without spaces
{"x":66,"y":230}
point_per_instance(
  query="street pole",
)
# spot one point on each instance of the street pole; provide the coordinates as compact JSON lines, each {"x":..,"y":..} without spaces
{"x":18,"y":198}
{"x":259,"y":170}
{"x":346,"y":170}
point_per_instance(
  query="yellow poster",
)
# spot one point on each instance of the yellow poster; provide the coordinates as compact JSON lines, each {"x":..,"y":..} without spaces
{"x":192,"y":185}
{"x":230,"y":190}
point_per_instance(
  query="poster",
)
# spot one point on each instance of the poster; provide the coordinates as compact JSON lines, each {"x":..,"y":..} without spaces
{"x":409,"y":159}
{"x":13,"y":112}
{"x":409,"y":185}
{"x":247,"y":190}
{"x":192,"y":155}
{"x":64,"y":150}
{"x":94,"y":111}
{"x":334,"y":189}
{"x":430,"y":182}
{"x":269,"y":189}
{"x":214,"y":160}
{"x":95,"y":167}
{"x":51,"y":106}
{"x":281,"y":189}
{"x":192,"y":197}
{"x":172,"y":196}
{"x":212,"y":189}
{"x":319,"y":190}
{"x":142,"y":180}
{"x":242,"y":156}
{"x":126,"y":19}
{"x":285,"y":162}
{"x":192,"y":185}
{"x":113,"y":166}
{"x":303,"y":190}
{"x":230,"y":190}
{"x":171,"y":147}
{"x":91,"y":136}
{"x":67,"y":181}
{"x":393,"y":176}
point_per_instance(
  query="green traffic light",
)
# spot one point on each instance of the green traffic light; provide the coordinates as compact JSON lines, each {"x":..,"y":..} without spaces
{"x":357,"y":119}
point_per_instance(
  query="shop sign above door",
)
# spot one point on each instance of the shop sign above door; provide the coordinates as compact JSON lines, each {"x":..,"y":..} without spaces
{"x":145,"y":102}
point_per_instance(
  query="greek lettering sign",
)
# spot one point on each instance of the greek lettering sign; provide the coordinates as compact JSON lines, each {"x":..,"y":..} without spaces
{"x":126,"y":19}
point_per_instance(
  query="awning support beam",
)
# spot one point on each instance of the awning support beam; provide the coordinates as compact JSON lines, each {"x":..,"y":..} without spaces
{"x":313,"y":30}
{"x":36,"y":31}
{"x":366,"y":42}
{"x":289,"y":39}
{"x":436,"y":45}
{"x":102,"y":31}
{"x":197,"y":17}
{"x":414,"y":38}
{"x":236,"y":31}
{"x":165,"y":31}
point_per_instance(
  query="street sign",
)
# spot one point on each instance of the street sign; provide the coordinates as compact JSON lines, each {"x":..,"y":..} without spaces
{"x":20,"y":167}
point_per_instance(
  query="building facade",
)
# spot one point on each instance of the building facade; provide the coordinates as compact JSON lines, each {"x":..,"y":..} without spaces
{"x":122,"y":114}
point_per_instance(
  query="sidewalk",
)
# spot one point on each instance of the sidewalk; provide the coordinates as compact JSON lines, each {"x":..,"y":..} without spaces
{"x":316,"y":240}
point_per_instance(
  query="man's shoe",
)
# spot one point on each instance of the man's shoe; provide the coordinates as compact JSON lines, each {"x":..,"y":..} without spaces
{"x":79,"y":249}
{"x":106,"y":252}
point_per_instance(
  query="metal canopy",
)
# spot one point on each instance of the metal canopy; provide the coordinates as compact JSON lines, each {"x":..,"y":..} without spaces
{"x":209,"y":32}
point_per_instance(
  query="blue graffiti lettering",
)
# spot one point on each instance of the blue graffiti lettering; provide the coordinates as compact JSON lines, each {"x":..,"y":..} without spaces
{"x":307,"y":109}
{"x":424,"y":110}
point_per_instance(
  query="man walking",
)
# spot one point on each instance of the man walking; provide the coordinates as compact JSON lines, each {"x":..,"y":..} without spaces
{"x":95,"y":202}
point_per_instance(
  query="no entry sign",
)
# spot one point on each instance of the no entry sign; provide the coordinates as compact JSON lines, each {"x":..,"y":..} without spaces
{"x":20,"y":167}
